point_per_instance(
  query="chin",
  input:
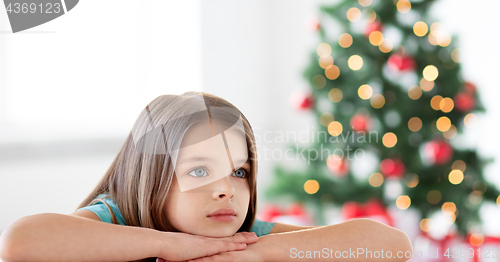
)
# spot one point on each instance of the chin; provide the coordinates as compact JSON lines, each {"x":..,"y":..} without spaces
{"x":226,"y":232}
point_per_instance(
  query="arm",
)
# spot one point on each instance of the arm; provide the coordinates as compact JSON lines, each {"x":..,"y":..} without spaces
{"x":292,"y":243}
{"x":58,"y":237}
{"x":354,"y":238}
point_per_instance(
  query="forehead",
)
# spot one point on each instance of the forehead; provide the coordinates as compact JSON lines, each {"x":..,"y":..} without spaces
{"x":205,"y":131}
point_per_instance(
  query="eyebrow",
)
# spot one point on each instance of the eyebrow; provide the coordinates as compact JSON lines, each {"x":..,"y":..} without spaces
{"x":195,"y":159}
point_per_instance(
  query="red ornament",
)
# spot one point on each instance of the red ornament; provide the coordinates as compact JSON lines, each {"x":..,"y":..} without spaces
{"x":401,"y":63}
{"x":302,"y":101}
{"x":438,"y":152}
{"x":295,"y":214}
{"x":372,"y":208}
{"x":372,"y":27}
{"x":296,"y":209}
{"x":464,"y":102}
{"x":315,"y":25}
{"x":470,"y":88}
{"x":269,"y":213}
{"x":392,"y":168}
{"x":337,"y":165}
{"x":360,"y":123}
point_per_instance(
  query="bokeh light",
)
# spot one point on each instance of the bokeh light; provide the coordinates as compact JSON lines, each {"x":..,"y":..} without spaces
{"x":432,"y":38}
{"x":332,"y":72}
{"x":365,"y":92}
{"x":469,"y":120}
{"x":311,"y":186}
{"x":435,"y":102}
{"x":434,"y":196}
{"x":411,"y":181}
{"x":403,"y":202}
{"x":325,"y":61}
{"x":436,"y":26}
{"x":319,"y":81}
{"x":475,"y":197}
{"x":404,"y":6}
{"x":443,"y":39}
{"x":376,"y":38}
{"x":324,"y":49}
{"x":426,"y":224}
{"x":455,"y":55}
{"x":345,"y":40}
{"x":459,"y":164}
{"x":415,"y":92}
{"x":355,"y":62}
{"x":448,"y":207}
{"x":476,"y":239}
{"x":430,"y":73}
{"x":389,"y":139}
{"x":456,"y":177}
{"x":414,"y":124}
{"x":335,"y":95}
{"x":365,"y":3}
{"x":426,"y":85}
{"x":376,"y":179}
{"x":377,"y":101}
{"x":450,"y":133}
{"x":446,"y":104}
{"x":443,"y":124}
{"x":353,"y":14}
{"x":420,"y":28}
{"x":335,"y":128}
{"x":451,"y":217}
{"x":386,"y":46}
{"x":326,"y":118}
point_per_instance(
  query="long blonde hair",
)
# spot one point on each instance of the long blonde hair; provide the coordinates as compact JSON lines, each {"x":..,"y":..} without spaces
{"x":141,"y":174}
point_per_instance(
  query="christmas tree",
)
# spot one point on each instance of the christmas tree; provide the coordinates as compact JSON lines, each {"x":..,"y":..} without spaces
{"x":390,"y":103}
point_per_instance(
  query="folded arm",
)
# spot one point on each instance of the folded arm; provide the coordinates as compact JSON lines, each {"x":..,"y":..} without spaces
{"x":348,"y":241}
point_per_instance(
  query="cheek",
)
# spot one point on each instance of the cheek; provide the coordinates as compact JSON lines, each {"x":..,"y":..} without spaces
{"x":174,"y":209}
{"x":181,"y":210}
{"x":244,"y":193}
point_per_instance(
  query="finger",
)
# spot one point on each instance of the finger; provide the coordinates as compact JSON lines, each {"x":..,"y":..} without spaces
{"x":214,"y":246}
{"x":214,"y":258}
{"x":226,"y":246}
{"x":243,"y":237}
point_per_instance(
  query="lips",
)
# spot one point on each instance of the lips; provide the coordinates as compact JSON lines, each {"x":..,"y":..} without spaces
{"x":223,"y":215}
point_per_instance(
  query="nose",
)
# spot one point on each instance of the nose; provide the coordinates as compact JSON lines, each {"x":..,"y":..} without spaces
{"x":223,"y":188}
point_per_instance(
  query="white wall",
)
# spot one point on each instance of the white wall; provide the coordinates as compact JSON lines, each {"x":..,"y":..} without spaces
{"x":71,"y":89}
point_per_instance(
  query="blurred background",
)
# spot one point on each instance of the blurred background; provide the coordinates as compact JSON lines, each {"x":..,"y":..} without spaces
{"x":71,"y":89}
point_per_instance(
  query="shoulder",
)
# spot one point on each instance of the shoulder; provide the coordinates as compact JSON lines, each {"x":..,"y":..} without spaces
{"x":104,"y":210}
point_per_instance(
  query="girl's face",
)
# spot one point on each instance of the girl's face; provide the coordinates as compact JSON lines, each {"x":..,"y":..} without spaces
{"x":210,"y":194}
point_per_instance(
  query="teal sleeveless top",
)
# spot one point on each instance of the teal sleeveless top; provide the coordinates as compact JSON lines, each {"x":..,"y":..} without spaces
{"x":261,"y":228}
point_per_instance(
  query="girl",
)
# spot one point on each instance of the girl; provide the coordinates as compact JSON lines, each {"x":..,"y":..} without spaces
{"x":183,"y":187}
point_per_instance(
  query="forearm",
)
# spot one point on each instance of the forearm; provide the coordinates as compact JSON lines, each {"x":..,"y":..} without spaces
{"x":57,"y":237}
{"x":352,"y":240}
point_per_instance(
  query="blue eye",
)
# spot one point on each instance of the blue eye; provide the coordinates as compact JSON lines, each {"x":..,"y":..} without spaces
{"x":198,"y":172}
{"x":241,"y":173}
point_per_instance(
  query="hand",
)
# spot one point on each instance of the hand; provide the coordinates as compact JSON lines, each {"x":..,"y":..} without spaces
{"x":247,"y":255}
{"x":186,"y":246}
